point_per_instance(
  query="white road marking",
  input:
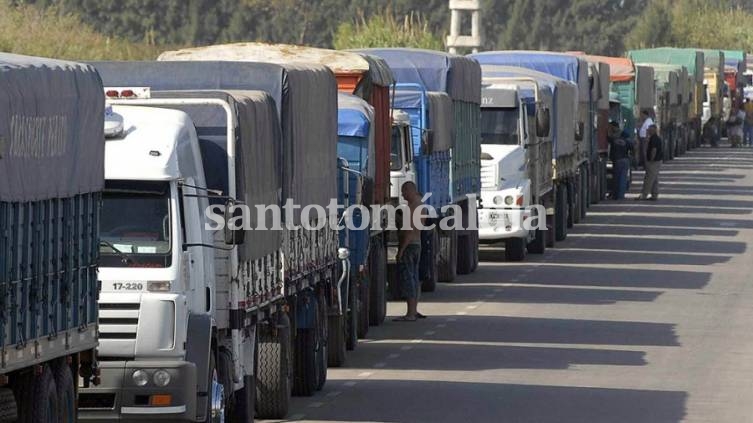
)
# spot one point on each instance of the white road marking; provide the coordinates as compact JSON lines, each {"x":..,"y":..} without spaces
{"x":416,"y":341}
{"x":461,"y":313}
{"x":365,"y":374}
{"x":472,"y":307}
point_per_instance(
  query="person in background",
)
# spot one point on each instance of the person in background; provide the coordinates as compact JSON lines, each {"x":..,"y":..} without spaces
{"x":654,"y":157}
{"x":735,"y":126}
{"x":748,"y":135}
{"x":646,"y":122}
{"x":409,"y":255}
{"x":620,"y":149}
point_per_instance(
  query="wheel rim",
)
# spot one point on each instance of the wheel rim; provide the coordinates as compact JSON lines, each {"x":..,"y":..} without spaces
{"x":218,"y":400}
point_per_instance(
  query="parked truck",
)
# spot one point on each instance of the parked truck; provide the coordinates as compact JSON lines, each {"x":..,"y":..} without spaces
{"x":369,"y":78}
{"x":557,"y":98}
{"x":735,"y":64}
{"x":576,"y":70}
{"x":693,"y":60}
{"x":51,"y":181}
{"x":671,"y":106}
{"x":516,"y":157}
{"x":262,"y":307}
{"x":442,"y":94}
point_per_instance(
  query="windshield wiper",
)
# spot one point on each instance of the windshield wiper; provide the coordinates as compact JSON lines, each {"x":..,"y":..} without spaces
{"x":123,"y":256}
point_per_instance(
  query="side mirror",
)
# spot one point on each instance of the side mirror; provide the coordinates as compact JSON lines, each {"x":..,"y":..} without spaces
{"x":233,"y":236}
{"x":579,"y":129}
{"x":542,"y":122}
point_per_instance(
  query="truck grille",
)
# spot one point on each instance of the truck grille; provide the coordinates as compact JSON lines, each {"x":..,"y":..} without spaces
{"x":96,"y":401}
{"x":488,"y":177}
{"x":118,"y":324}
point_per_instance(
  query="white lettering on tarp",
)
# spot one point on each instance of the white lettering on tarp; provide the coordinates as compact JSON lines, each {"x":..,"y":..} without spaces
{"x":38,"y":136}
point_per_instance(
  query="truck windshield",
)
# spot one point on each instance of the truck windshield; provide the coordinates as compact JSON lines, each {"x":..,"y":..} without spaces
{"x":135,"y":225}
{"x":396,"y":152}
{"x":500,"y":126}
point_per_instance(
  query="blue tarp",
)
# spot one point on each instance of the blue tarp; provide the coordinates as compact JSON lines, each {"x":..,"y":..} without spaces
{"x":352,"y":116}
{"x":458,"y":76}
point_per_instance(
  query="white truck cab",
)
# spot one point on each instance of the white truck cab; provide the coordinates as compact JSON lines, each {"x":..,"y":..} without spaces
{"x":505,"y":180}
{"x":402,"y":169}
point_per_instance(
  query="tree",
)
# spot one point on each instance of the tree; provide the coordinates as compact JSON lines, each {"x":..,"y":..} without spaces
{"x":386,"y":30}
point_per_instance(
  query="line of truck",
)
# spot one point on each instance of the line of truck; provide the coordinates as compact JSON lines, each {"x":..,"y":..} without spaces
{"x":122,"y":298}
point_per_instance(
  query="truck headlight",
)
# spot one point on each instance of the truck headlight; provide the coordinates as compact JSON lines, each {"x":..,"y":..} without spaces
{"x":498,"y":200}
{"x":140,"y":378}
{"x":161,"y":378}
{"x":509,"y":200}
{"x":158,"y":286}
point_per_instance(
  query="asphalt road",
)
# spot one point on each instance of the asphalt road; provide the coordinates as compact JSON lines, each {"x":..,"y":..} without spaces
{"x":645,"y":314}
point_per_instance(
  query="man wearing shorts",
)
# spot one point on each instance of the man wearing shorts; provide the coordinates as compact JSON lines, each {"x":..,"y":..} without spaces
{"x":409,"y":254}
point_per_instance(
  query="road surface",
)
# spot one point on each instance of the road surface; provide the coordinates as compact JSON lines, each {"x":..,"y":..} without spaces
{"x":645,"y":314}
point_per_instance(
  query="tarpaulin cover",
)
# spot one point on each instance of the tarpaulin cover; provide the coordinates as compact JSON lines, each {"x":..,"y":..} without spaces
{"x":51,"y":129}
{"x":306,"y":100}
{"x":620,"y":68}
{"x":564,"y":97}
{"x":440,"y":121}
{"x":338,"y":61}
{"x":565,"y":66}
{"x":258,"y":161}
{"x":692,"y":59}
{"x":668,"y":78}
{"x":645,"y":92}
{"x":355,"y":119}
{"x":458,"y":76}
{"x":713,"y":59}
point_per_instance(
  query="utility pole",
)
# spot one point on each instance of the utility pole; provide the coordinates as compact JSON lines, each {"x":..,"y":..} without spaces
{"x":457,"y":39}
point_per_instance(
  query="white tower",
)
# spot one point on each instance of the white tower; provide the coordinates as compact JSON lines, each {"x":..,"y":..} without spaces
{"x":458,"y":40}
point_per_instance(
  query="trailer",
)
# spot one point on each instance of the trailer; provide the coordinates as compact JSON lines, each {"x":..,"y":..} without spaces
{"x":263,"y":307}
{"x":558,"y":98}
{"x":693,"y":60}
{"x":51,"y":181}
{"x":671,"y":106}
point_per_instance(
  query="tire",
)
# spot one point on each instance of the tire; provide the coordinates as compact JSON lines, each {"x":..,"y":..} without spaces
{"x":515,"y":249}
{"x":351,"y":319}
{"x":45,"y":403}
{"x":475,"y":251}
{"x":577,"y":201}
{"x":378,"y":285}
{"x":304,"y":365}
{"x":363,"y":308}
{"x":336,"y":341}
{"x":322,"y":330}
{"x":430,"y":284}
{"x":65,"y":391}
{"x":551,"y":229}
{"x":585,"y":202}
{"x":448,"y":256}
{"x":561,"y":213}
{"x":538,"y":243}
{"x":273,"y":378}
{"x":8,"y":411}
{"x":215,"y":386}
{"x":465,"y":254}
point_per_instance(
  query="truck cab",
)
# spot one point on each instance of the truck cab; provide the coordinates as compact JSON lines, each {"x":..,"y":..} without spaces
{"x":402,"y":169}
{"x":505,"y":179}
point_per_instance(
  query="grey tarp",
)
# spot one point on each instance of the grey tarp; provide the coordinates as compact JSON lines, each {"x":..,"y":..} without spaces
{"x":306,"y":99}
{"x":645,"y":93}
{"x":51,"y":129}
{"x":258,"y":154}
{"x":440,"y":121}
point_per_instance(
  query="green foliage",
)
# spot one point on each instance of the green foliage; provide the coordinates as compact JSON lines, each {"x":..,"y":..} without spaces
{"x":385,"y":30}
{"x":701,"y":24}
{"x":49,"y":32}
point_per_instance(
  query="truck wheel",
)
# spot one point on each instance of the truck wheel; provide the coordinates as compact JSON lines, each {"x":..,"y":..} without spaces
{"x":336,"y":341}
{"x":8,"y":412}
{"x":515,"y":249}
{"x":305,"y":371}
{"x":448,"y":256}
{"x":45,"y":405}
{"x":273,"y":378}
{"x":65,"y":391}
{"x":378,"y":285}
{"x":585,"y":195}
{"x":475,"y":251}
{"x":430,"y":284}
{"x":217,"y":396}
{"x":561,"y":212}
{"x":363,"y":308}
{"x":551,"y":229}
{"x":243,"y":401}
{"x":465,"y":254}
{"x":322,"y":338}
{"x":351,"y":323}
{"x":576,"y":196}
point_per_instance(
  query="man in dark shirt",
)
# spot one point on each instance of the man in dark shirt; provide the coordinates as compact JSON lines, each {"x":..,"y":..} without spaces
{"x":654,"y":157}
{"x":620,"y":149}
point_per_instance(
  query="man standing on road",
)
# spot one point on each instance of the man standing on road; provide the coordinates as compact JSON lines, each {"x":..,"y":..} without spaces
{"x":646,"y":121}
{"x":654,"y":157}
{"x":748,"y":107}
{"x":409,"y":253}
{"x":620,"y":148}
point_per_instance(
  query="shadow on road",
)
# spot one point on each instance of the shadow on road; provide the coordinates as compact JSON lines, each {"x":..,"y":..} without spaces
{"x":498,"y":402}
{"x":623,"y":230}
{"x":540,"y":294}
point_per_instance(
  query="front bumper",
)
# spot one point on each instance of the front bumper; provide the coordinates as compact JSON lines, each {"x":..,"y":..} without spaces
{"x":117,"y":398}
{"x":497,"y":224}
